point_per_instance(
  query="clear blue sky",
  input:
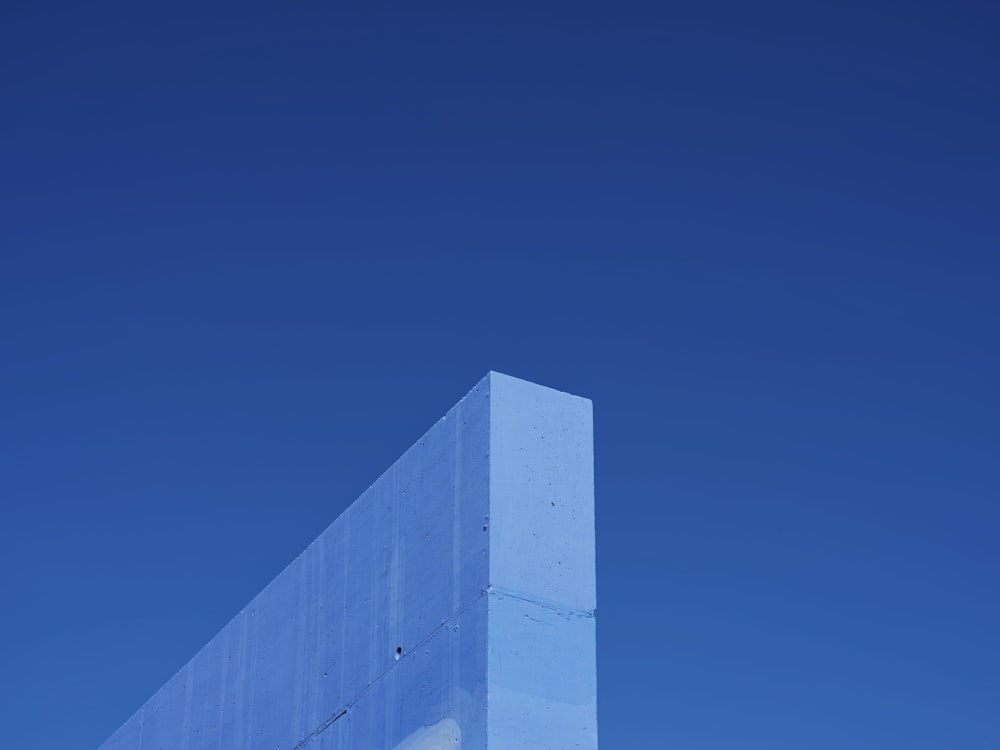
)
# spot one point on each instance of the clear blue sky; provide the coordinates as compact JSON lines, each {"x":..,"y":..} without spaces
{"x":249,"y":254}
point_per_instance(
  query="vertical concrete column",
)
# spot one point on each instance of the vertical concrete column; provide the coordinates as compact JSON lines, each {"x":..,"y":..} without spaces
{"x":542,"y":675}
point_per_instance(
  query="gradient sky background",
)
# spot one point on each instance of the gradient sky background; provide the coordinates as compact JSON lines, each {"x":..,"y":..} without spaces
{"x":249,"y":254}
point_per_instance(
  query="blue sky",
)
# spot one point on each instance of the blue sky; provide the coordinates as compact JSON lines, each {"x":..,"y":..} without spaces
{"x":250,"y":253}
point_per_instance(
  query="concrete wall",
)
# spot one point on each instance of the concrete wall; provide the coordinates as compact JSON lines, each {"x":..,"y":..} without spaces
{"x":451,"y":606}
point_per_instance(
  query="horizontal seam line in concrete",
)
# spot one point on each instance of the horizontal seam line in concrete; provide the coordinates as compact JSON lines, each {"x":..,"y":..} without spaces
{"x":341,"y":712}
{"x":557,"y":608}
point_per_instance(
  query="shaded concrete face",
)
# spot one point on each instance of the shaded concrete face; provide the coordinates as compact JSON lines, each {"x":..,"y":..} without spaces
{"x":451,"y":606}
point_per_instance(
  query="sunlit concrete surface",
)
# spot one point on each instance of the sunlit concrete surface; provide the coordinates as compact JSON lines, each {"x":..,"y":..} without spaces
{"x":452,"y":605}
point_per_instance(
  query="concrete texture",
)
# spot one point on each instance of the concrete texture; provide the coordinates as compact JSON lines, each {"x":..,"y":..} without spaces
{"x":452,"y":605}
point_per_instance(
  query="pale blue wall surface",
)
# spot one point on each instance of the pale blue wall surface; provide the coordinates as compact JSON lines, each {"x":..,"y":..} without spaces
{"x":473,"y":554}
